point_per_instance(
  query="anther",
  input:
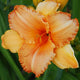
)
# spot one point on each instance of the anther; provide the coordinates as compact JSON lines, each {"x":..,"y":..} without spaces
{"x":47,"y":34}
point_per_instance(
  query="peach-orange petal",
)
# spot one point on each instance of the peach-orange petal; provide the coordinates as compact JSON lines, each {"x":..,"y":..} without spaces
{"x":27,"y":22}
{"x":65,"y":57}
{"x":35,"y":58}
{"x":63,"y":28}
{"x":26,"y":54}
{"x":42,"y":57}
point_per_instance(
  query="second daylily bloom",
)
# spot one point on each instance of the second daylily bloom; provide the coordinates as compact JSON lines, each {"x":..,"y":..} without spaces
{"x":41,"y":36}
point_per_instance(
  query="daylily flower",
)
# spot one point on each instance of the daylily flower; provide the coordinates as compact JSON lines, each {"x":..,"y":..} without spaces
{"x":41,"y":36}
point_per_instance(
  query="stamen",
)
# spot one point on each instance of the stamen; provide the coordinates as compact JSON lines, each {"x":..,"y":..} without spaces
{"x":47,"y":34}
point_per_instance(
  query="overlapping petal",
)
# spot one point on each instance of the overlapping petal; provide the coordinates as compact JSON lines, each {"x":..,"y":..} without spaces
{"x":47,"y":7}
{"x":26,"y":54}
{"x":65,"y":57}
{"x":27,"y":23}
{"x":42,"y":58}
{"x":62,"y":3}
{"x":63,"y":28}
{"x":36,"y":58}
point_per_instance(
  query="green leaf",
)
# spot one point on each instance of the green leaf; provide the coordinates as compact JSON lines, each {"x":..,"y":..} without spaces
{"x":3,"y":23}
{"x":52,"y":73}
{"x":27,"y":2}
{"x":4,"y":20}
{"x":68,"y":76}
{"x":3,"y":1}
{"x":21,"y":2}
{"x":76,"y":11}
{"x":2,"y":5}
{"x":4,"y":73}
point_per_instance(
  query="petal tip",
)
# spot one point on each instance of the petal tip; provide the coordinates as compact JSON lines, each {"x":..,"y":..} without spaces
{"x":63,"y":26}
{"x":65,"y":58}
{"x":77,"y":22}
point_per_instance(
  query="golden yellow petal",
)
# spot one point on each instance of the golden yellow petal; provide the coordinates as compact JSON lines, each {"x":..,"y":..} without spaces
{"x":47,"y":7}
{"x":62,"y":3}
{"x":65,"y":58}
{"x":12,"y":41}
{"x":31,"y":7}
{"x":3,"y":44}
{"x":35,"y":2}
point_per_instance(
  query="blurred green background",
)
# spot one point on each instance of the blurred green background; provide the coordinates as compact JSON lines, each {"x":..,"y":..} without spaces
{"x":10,"y":68}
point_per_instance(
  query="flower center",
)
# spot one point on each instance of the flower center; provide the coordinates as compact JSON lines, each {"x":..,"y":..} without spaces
{"x":47,"y":34}
{"x":44,"y":38}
